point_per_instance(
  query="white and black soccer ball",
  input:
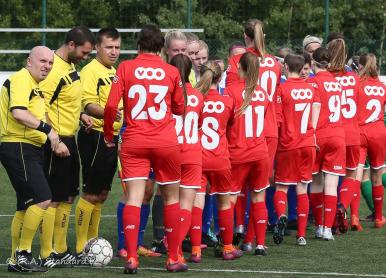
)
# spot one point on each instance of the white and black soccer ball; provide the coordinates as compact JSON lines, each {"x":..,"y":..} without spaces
{"x":98,"y":251}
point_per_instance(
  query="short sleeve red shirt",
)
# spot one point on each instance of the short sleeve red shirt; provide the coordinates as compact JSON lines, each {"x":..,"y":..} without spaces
{"x":151,"y":92}
{"x":216,"y":114}
{"x":269,"y":80}
{"x":187,"y":127}
{"x":330,"y":94}
{"x":350,"y":86}
{"x":294,"y":109}
{"x":246,"y":131}
{"x":371,"y":101}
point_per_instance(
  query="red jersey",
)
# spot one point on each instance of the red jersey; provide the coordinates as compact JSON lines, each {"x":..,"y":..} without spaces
{"x":269,"y":80}
{"x":187,"y":127}
{"x":371,"y":101}
{"x":350,"y":86}
{"x":246,"y":131}
{"x":293,"y":109}
{"x":151,"y":91}
{"x":328,"y":89}
{"x":217,"y":112}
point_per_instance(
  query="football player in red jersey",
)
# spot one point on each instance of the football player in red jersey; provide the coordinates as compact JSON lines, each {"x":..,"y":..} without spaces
{"x":269,"y":79}
{"x":297,"y":110}
{"x":191,"y":153}
{"x":331,"y":153}
{"x":217,"y":112}
{"x":151,"y":92}
{"x":350,"y":189}
{"x":371,"y":107}
{"x":247,"y":146}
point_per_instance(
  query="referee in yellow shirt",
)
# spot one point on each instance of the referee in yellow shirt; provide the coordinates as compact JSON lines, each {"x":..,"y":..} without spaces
{"x":99,"y":162}
{"x":62,"y":92}
{"x":23,"y":132}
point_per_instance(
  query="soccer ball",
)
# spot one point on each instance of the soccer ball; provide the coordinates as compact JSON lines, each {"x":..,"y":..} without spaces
{"x":98,"y":251}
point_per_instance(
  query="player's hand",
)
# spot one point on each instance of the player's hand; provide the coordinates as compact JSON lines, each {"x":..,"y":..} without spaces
{"x":62,"y":150}
{"x":54,"y":139}
{"x":109,"y":144}
{"x":86,"y":121}
{"x":118,"y":116}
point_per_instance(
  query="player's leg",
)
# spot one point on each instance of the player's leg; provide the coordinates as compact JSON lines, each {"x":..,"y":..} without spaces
{"x":167,"y":169}
{"x":366,"y":189}
{"x":23,"y":163}
{"x":190,"y":183}
{"x":145,"y":212}
{"x":196,"y":222}
{"x":302,"y":212}
{"x":158,"y":222}
{"x":330,"y":203}
{"x":122,"y":253}
{"x":316,"y":202}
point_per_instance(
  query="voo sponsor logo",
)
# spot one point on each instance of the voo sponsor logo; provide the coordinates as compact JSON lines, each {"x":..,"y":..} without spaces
{"x":149,"y":73}
{"x":297,"y":94}
{"x":213,"y":107}
{"x":374,"y":91}
{"x":346,"y":80}
{"x":332,"y":86}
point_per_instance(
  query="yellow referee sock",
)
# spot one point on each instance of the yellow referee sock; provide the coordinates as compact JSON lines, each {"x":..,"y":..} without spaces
{"x":32,"y":218}
{"x":93,"y":229}
{"x":17,"y":224}
{"x":62,"y":218}
{"x":47,"y":232}
{"x":83,"y":213}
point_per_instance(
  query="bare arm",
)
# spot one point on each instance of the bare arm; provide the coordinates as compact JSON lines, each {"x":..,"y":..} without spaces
{"x":315,"y":114}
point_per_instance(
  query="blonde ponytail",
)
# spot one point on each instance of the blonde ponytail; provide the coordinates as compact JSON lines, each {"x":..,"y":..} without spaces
{"x":254,"y":30}
{"x":210,"y":74}
{"x":337,"y":52}
{"x":369,"y":63}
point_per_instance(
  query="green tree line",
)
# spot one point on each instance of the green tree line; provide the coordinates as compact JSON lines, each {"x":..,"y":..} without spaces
{"x":287,"y":22}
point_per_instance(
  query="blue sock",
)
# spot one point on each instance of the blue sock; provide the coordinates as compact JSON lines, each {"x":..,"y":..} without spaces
{"x":215,"y":215}
{"x":247,"y":209}
{"x":207,"y":214}
{"x":121,"y":234}
{"x":292,"y":203}
{"x":145,"y":211}
{"x":270,"y":192}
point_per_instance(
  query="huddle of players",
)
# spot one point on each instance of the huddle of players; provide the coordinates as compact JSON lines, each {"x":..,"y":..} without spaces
{"x":228,"y":141}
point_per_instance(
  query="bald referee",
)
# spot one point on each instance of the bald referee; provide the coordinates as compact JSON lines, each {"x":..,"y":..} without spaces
{"x":23,"y":133}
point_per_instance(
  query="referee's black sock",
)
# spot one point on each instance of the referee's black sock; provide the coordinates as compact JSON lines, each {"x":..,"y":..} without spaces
{"x":158,"y":219}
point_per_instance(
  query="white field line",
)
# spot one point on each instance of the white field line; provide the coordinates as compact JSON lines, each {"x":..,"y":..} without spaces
{"x":257,"y":271}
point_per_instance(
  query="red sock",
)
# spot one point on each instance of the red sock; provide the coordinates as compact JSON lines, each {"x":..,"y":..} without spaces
{"x":260,"y":220}
{"x":347,"y":191}
{"x":303,"y":207}
{"x":329,"y":210}
{"x":172,"y":229}
{"x":225,"y":221}
{"x":131,"y":219}
{"x":356,"y":200}
{"x":250,"y":235}
{"x":195,"y":227}
{"x":280,"y":203}
{"x":316,"y":202}
{"x":185,"y":220}
{"x":240,"y":210}
{"x":378,"y":201}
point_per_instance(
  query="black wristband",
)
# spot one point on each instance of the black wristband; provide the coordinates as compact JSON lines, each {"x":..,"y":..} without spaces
{"x":44,"y":127}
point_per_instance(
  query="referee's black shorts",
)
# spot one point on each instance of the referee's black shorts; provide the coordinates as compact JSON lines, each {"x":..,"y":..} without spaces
{"x":62,"y":172}
{"x":99,"y":162}
{"x":24,"y":165}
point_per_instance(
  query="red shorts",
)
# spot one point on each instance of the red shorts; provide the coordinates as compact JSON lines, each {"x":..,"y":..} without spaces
{"x":191,"y":176}
{"x":331,"y":156}
{"x":255,"y":174}
{"x":272,"y":147}
{"x":165,"y":162}
{"x":373,"y":146}
{"x":219,"y":181}
{"x":352,"y":157}
{"x":295,"y":166}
